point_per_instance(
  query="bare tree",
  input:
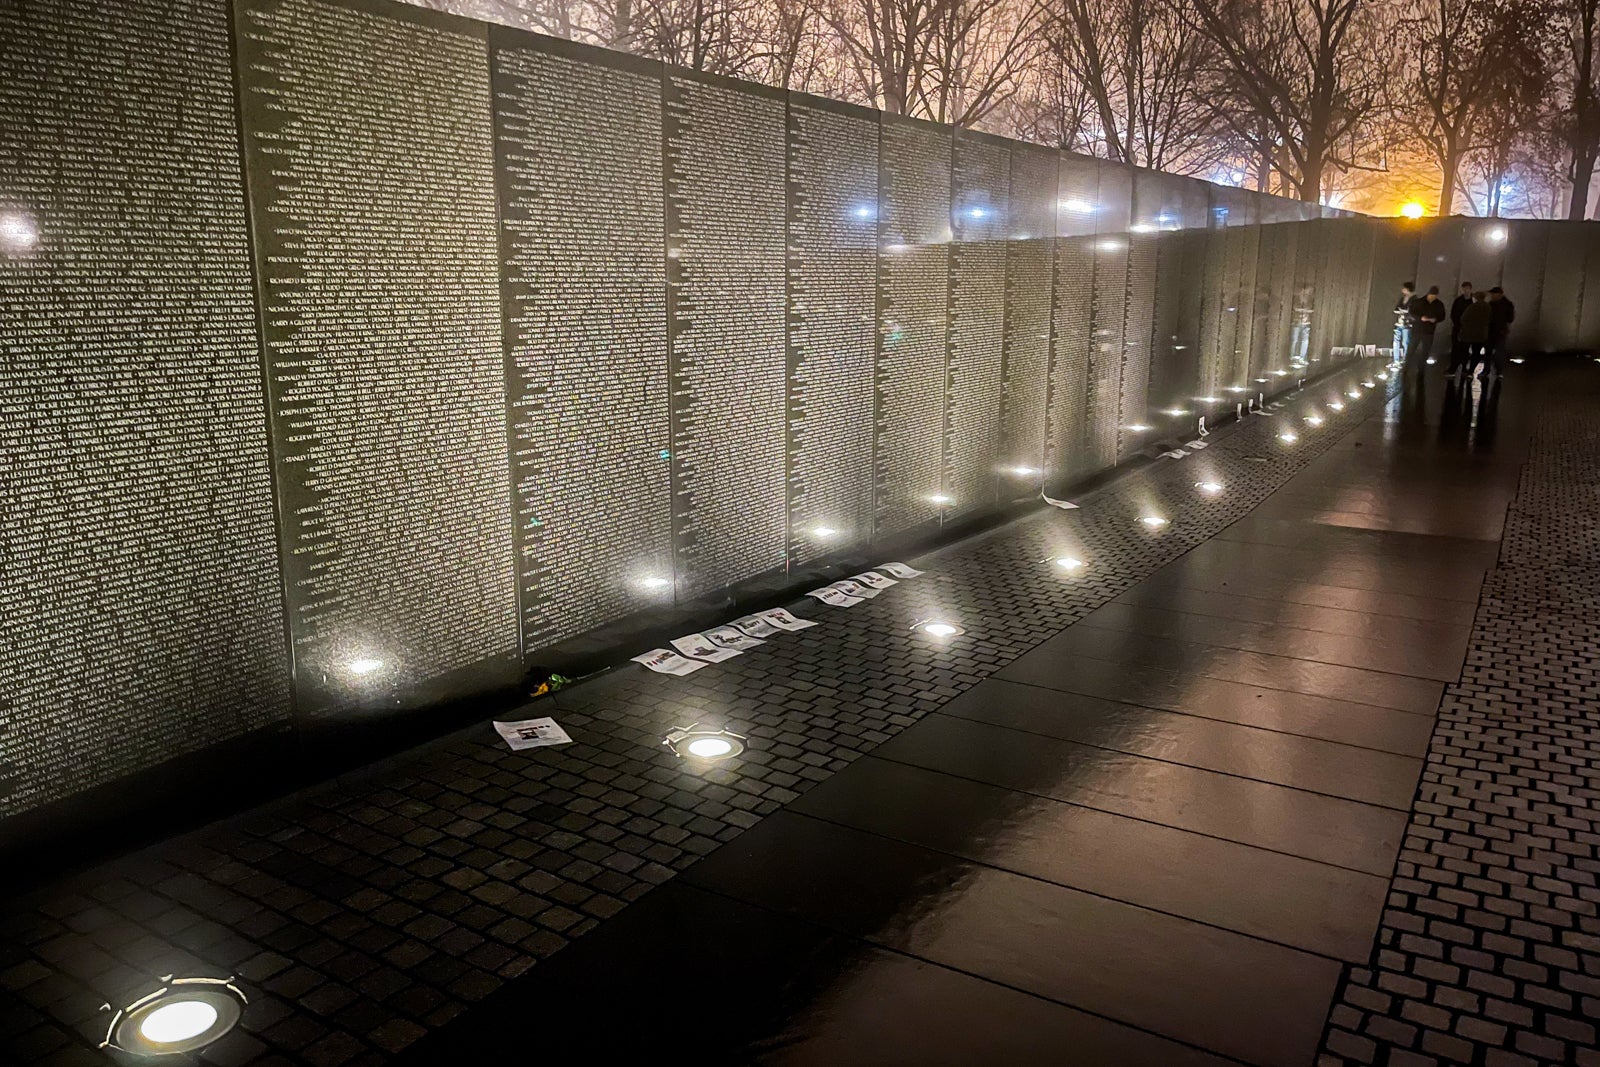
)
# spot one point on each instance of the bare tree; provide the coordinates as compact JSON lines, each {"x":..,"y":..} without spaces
{"x":1294,"y":79}
{"x":1141,"y":68}
{"x":947,"y":60}
{"x":1575,"y":120}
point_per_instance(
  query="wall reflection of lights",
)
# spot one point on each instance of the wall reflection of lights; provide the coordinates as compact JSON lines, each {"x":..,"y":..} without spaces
{"x":1111,"y":245}
{"x":1070,"y":564}
{"x":1209,"y":488}
{"x":184,"y":1015}
{"x":1209,"y":399}
{"x":1313,"y":420}
{"x":1023,"y":472}
{"x":824,"y":533}
{"x":1335,"y":406}
{"x":1354,"y":394}
{"x":939,"y":628}
{"x":1143,"y":227}
{"x":1280,"y":374}
{"x":1495,"y":235}
{"x":864,"y":212}
{"x":18,"y":232}
{"x":1288,"y":438}
{"x":1077,"y":206}
{"x":977,"y":213}
{"x":1176,"y":413}
{"x":1154,"y":522}
{"x":711,"y":746}
{"x":1138,"y":427}
{"x":364,"y":665}
{"x":654,"y":583}
{"x":944,"y":500}
{"x":1369,"y":385}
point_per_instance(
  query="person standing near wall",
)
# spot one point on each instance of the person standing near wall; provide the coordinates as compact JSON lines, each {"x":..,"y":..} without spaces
{"x":1426,"y":314}
{"x":1458,"y":348}
{"x":1472,"y":333}
{"x":1502,"y":313}
{"x":1402,"y":320}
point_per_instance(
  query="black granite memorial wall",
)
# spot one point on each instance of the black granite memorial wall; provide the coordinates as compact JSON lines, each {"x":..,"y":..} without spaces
{"x":358,"y":358}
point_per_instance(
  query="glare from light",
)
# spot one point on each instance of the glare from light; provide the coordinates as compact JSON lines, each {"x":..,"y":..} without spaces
{"x":709,"y":747}
{"x":1209,"y":399}
{"x":1431,"y":361}
{"x":1138,"y":427}
{"x":1335,"y":406}
{"x":1143,"y":227}
{"x":365,"y":665}
{"x":1313,"y":420}
{"x":1111,"y":244}
{"x":654,"y":583}
{"x":1176,"y":413}
{"x":1154,"y":522}
{"x":1280,"y":374}
{"x":1518,"y":359}
{"x":1412,"y":210}
{"x":863,"y":211}
{"x":1383,"y":376}
{"x":1077,"y":206}
{"x":976,"y":213}
{"x":1236,"y":389}
{"x":1023,"y":472}
{"x":942,"y":499}
{"x":178,"y":1021}
{"x":1069,"y":563}
{"x":1369,"y":385}
{"x":1288,"y":437}
{"x":1263,"y":381}
{"x":18,"y":232}
{"x":941,"y":629}
{"x":1354,"y":394}
{"x":1496,"y":235}
{"x":824,"y":532}
{"x":1236,"y":177}
{"x":1209,"y":488}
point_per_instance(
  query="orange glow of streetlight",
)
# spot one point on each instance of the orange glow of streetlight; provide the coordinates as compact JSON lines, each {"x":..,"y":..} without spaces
{"x":1412,"y":209}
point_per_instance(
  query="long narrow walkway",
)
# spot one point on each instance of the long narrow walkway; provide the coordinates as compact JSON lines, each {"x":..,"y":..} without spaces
{"x":1148,"y":812}
{"x":1162,"y":836}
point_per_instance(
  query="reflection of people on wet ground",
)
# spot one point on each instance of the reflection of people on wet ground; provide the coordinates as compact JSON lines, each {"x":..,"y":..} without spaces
{"x":1458,"y":350}
{"x":1426,"y":314}
{"x":1472,"y":335}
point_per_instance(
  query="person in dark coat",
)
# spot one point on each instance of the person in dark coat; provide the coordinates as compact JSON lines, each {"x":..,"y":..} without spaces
{"x":1426,"y":314}
{"x":1502,"y":313}
{"x":1458,"y":349}
{"x":1472,"y":332}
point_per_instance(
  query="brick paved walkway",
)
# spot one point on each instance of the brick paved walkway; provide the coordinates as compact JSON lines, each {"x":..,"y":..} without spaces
{"x":1490,"y":947}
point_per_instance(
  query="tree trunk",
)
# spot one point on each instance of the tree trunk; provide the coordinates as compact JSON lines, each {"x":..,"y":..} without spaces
{"x":1447,"y":182}
{"x":1582,"y":176}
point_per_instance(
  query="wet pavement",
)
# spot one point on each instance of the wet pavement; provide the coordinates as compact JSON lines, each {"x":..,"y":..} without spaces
{"x":1151,"y":815}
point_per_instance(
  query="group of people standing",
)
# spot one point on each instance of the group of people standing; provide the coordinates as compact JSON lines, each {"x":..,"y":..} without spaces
{"x":1480,"y":324}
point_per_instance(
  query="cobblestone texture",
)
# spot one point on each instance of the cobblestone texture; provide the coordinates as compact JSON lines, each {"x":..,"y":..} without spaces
{"x":1489,"y":951}
{"x":358,"y":915}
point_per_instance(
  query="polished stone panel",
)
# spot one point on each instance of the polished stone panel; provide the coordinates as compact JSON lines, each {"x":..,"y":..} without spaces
{"x":1289,"y":591}
{"x":1057,"y":658}
{"x":1313,"y":906}
{"x":1338,"y":770}
{"x":1436,"y":658}
{"x":1256,"y":1001}
{"x":1358,"y":836}
{"x":1415,"y":576}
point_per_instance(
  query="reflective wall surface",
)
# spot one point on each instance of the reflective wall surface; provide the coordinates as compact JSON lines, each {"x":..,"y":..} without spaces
{"x":354,"y":357}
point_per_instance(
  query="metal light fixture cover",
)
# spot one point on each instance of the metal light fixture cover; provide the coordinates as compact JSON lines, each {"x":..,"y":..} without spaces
{"x":691,"y":742}
{"x":214,"y":1006}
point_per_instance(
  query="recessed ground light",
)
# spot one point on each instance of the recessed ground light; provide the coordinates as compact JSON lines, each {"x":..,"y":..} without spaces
{"x":1071,"y":564}
{"x":692,"y":742}
{"x":1354,"y":394}
{"x":1383,"y":376}
{"x":1288,"y":437}
{"x":1313,"y":420}
{"x":1369,"y":385}
{"x":1209,"y":399}
{"x":1335,"y":406}
{"x":1262,"y":381}
{"x":1280,"y":374}
{"x":1209,"y":488}
{"x":184,"y":1015}
{"x":939,"y":628}
{"x":1153,"y":522}
{"x":1431,"y":361}
{"x":1236,"y":389}
{"x":1518,"y":359}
